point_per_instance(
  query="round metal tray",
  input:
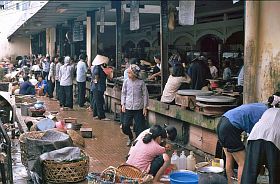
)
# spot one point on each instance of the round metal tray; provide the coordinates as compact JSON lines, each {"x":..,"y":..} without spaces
{"x":210,"y":169}
{"x":191,"y":92}
{"x":215,"y":99}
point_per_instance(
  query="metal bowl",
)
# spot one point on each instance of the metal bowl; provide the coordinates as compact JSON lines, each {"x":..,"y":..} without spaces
{"x":210,"y":169}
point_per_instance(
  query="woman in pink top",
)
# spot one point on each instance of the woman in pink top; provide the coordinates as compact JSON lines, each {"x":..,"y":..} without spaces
{"x":148,"y":155}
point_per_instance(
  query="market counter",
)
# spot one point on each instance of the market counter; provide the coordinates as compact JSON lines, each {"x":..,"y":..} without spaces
{"x":193,"y":128}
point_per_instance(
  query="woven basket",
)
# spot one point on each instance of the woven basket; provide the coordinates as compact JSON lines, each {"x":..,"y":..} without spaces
{"x":125,"y":174}
{"x":66,"y":172}
{"x":77,"y":139}
{"x":23,"y":147}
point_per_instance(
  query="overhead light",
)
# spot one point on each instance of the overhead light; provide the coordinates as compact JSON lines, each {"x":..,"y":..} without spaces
{"x":62,"y":8}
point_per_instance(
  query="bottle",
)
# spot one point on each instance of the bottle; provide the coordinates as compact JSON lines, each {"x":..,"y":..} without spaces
{"x":191,"y":162}
{"x":175,"y":160}
{"x":182,"y":161}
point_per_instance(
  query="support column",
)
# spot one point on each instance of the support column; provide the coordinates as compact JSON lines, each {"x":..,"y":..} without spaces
{"x":72,"y":44}
{"x":60,"y":40}
{"x":251,"y":51}
{"x":118,"y":35}
{"x":164,"y":42}
{"x":50,"y":40}
{"x":91,"y":39}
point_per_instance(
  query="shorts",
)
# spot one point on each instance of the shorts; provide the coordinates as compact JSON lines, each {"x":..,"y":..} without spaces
{"x":156,"y":164}
{"x":229,"y":136}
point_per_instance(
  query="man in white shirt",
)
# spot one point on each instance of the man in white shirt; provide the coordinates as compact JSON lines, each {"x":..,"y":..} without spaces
{"x":81,"y":79}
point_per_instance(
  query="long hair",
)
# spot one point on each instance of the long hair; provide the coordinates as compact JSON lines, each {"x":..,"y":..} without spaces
{"x":155,"y":131}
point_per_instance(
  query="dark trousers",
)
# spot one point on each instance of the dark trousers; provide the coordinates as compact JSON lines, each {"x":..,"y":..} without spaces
{"x":45,"y":75}
{"x":259,"y":153}
{"x":98,"y":104}
{"x":57,"y":89}
{"x":81,"y":93}
{"x":139,"y":120}
{"x":66,"y":96}
{"x":51,"y":88}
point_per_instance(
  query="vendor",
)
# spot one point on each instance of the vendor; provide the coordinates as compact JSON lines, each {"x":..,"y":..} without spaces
{"x":199,"y":72}
{"x":227,"y":71}
{"x":173,"y":84}
{"x":41,"y":87}
{"x":148,"y":156}
{"x":263,"y":146}
{"x":229,"y":130}
{"x":157,"y":68}
{"x":213,"y":69}
{"x":26,"y":87}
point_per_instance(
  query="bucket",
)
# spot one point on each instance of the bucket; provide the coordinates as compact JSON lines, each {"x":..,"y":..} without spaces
{"x":185,"y":177}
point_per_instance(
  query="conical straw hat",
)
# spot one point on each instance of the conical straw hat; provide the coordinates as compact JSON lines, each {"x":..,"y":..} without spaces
{"x":98,"y":60}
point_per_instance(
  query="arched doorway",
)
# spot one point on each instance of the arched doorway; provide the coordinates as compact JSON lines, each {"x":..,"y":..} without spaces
{"x":128,"y":47}
{"x":208,"y":45}
{"x":235,"y":41}
{"x":142,"y":48}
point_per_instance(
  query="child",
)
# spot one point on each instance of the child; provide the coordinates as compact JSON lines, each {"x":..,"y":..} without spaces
{"x":148,"y":155}
{"x":134,"y":101}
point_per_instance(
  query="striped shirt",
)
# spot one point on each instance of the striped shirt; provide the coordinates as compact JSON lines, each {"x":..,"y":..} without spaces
{"x":134,"y":94}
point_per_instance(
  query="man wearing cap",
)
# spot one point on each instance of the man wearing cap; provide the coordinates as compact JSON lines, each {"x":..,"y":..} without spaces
{"x":134,"y":101}
{"x":98,"y":86}
{"x":66,"y":75}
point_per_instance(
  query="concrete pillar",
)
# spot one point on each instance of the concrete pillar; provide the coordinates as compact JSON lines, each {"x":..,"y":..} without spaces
{"x":268,"y":72}
{"x":91,"y":40}
{"x":251,"y":51}
{"x":118,"y":35}
{"x":262,"y":50}
{"x":50,"y":41}
{"x":164,"y":42}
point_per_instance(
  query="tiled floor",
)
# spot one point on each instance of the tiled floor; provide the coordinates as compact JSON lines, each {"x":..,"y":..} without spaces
{"x":107,"y":148}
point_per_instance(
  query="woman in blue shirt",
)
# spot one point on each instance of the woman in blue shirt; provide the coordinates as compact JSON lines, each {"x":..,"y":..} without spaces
{"x":229,"y":130}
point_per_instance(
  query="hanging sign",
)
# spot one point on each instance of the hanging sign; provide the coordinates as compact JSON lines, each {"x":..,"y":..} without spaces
{"x":78,"y":31}
{"x":102,"y":19}
{"x":186,"y":12}
{"x":134,"y":15}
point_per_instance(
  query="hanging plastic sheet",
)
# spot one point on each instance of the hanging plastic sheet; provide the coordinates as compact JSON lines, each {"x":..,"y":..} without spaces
{"x":134,"y":15}
{"x":186,"y":12}
{"x":102,"y":19}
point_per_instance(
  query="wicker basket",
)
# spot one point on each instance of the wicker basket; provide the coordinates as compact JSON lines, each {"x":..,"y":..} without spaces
{"x":125,"y":174}
{"x":77,"y":139}
{"x":22,"y":138}
{"x":66,"y":172}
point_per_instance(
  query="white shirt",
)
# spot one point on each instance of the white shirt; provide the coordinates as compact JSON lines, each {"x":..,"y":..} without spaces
{"x":240,"y":79}
{"x":171,"y":87}
{"x":81,"y":71}
{"x":36,"y":68}
{"x":267,"y":128}
{"x":213,"y":71}
{"x":66,"y":74}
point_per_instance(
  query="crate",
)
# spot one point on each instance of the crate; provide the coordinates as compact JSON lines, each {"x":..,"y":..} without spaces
{"x":185,"y":101}
{"x":86,"y":132}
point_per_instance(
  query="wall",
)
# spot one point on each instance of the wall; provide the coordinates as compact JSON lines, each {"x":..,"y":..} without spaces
{"x":17,"y":46}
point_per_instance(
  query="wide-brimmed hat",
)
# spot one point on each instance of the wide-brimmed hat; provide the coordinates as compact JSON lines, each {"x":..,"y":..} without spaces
{"x":99,"y":60}
{"x":135,"y":69}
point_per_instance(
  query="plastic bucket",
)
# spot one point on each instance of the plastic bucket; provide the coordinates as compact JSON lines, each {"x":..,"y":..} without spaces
{"x":183,"y":177}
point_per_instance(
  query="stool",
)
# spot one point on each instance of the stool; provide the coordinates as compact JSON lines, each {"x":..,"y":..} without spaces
{"x":117,"y":116}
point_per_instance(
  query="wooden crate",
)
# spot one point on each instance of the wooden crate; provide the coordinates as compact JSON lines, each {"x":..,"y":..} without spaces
{"x":185,"y":101}
{"x":203,"y":139}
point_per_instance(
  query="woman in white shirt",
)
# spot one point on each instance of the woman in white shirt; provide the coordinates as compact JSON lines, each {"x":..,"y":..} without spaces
{"x":173,"y":84}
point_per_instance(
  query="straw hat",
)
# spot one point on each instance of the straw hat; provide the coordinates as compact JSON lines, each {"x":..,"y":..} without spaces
{"x":98,"y":60}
